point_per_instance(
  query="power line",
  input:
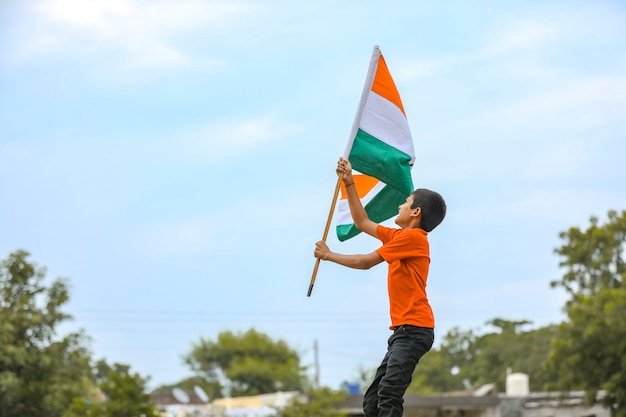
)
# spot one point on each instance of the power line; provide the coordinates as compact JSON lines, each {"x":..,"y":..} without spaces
{"x":113,"y":315}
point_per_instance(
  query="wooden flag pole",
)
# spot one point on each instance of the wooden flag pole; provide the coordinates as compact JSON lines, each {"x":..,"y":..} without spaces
{"x":330,"y":216}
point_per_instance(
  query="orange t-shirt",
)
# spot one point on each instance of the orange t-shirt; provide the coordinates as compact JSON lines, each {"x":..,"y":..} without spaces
{"x":408,"y":255}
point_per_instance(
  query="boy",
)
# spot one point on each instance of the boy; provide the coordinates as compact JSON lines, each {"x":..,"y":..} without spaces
{"x":406,"y":250}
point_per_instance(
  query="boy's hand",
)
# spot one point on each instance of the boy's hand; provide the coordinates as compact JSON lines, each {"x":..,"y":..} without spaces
{"x":321,"y":250}
{"x":345,"y":167}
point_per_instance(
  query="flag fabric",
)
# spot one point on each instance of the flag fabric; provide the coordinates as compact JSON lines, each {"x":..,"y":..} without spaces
{"x":380,"y":149}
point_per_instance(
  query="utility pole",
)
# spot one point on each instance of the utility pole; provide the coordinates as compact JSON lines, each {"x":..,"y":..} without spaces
{"x":316,"y":363}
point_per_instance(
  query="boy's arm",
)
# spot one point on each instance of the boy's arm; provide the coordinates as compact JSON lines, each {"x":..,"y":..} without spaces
{"x":358,"y":213}
{"x":365,"y":261}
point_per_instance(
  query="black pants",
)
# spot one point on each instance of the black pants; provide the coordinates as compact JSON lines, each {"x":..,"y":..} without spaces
{"x":406,"y":346}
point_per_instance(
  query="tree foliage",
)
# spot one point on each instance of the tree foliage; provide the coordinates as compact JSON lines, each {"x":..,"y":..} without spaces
{"x":466,"y":359}
{"x":438,"y":370}
{"x":40,"y":372}
{"x":43,"y":374}
{"x":593,"y":258}
{"x":321,"y":402}
{"x":509,"y":347}
{"x":121,"y":393}
{"x":435,"y":374}
{"x":252,"y":363}
{"x":590,"y":350}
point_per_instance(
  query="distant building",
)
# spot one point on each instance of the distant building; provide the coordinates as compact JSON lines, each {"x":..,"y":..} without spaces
{"x":264,"y":405}
{"x":483,"y":402}
{"x":568,"y":404}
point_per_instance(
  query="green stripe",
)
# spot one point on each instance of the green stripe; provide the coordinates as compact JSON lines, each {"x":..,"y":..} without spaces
{"x":383,"y":206}
{"x":377,"y":159}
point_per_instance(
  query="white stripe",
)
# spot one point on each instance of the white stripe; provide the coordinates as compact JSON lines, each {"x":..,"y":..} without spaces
{"x":367,"y":89}
{"x":343,"y":209}
{"x":386,"y":122}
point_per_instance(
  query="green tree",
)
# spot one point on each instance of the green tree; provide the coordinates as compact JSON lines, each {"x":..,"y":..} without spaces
{"x":121,"y":394}
{"x":439,"y":370}
{"x":40,"y":371}
{"x":590,"y":350}
{"x":252,"y":362}
{"x":491,"y":354}
{"x":593,"y":258}
{"x":465,"y":357}
{"x":125,"y":394}
{"x":434,"y":374}
{"x":322,"y":402}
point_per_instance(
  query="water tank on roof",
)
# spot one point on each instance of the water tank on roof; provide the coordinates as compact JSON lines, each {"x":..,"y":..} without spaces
{"x":353,"y":388}
{"x":517,"y":385}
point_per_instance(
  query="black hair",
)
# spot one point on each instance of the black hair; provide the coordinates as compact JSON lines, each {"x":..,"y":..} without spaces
{"x":433,"y":207}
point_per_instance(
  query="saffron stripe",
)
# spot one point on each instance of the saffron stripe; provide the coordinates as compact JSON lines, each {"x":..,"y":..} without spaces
{"x":343,"y":209}
{"x":383,"y":206}
{"x":384,"y":85}
{"x":363,"y":184}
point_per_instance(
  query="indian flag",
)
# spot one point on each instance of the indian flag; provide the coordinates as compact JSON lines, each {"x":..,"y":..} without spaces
{"x":380,"y":150}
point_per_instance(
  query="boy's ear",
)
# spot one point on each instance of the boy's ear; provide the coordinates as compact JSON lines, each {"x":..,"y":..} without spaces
{"x":417,"y":212}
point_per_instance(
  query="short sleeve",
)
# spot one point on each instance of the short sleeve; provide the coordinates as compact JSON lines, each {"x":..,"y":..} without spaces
{"x":402,"y":243}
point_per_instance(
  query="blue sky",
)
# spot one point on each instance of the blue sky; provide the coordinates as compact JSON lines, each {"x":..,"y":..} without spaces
{"x":175,"y":161}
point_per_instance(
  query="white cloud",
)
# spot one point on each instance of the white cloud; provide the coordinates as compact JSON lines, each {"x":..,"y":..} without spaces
{"x":223,"y":140}
{"x":593,"y":101}
{"x":143,"y":31}
{"x":93,"y":15}
{"x":513,"y":38}
{"x":62,"y":155}
{"x":519,"y":36}
{"x":125,"y":19}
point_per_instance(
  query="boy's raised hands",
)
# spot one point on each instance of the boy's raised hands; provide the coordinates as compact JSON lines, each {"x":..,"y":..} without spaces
{"x":345,"y":167}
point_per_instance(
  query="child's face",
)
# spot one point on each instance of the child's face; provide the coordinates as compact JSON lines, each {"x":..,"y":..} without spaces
{"x":405,"y":213}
